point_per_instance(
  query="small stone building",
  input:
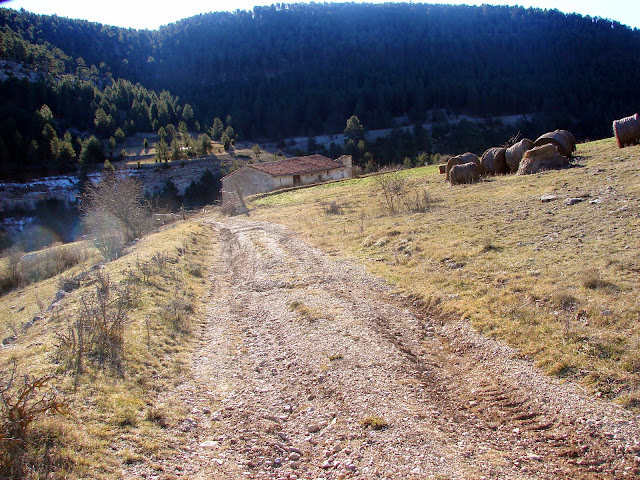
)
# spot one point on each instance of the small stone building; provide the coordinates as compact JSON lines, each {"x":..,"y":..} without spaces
{"x":289,"y":172}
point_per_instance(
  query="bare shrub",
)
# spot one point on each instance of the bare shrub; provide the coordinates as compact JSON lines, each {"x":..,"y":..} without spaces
{"x":23,"y":401}
{"x":179,"y":308}
{"x":333,"y":209}
{"x":228,"y":209}
{"x":116,"y":213}
{"x":55,"y":260}
{"x":400,"y":196}
{"x":374,"y":422}
{"x":233,"y":201}
{"x":392,"y":186}
{"x":417,"y":200}
{"x":178,"y":311}
{"x":34,"y":267}
{"x":68,"y":283}
{"x":157,"y":416}
{"x":568,"y":304}
{"x":145,"y":269}
{"x":195,"y":270}
{"x":159,"y":260}
{"x":592,"y":279}
{"x":105,"y":314}
{"x":513,"y":139}
{"x":107,"y":237}
{"x":182,"y":249}
{"x":565,"y":300}
{"x":98,"y":330}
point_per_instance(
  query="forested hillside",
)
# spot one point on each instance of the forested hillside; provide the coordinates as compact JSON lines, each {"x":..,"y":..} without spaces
{"x":303,"y":69}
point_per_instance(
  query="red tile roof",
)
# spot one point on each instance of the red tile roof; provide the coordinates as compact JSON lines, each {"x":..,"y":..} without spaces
{"x":297,"y":165}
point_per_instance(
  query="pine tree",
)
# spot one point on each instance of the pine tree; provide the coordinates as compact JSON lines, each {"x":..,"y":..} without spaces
{"x":216,"y":129}
{"x":354,"y":129}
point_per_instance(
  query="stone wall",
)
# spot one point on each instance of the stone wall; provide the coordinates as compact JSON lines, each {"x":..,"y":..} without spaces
{"x":180,"y":173}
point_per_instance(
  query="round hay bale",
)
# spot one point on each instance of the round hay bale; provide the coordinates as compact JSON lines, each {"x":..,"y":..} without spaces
{"x":515,"y":152}
{"x":461,"y":160}
{"x":569,"y":136}
{"x":452,"y":162}
{"x":494,"y":161}
{"x":561,"y":141}
{"x":471,"y":157}
{"x":544,"y":157}
{"x":464,"y":174}
{"x":627,"y":130}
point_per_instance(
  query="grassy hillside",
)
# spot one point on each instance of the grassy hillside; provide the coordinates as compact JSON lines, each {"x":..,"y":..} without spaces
{"x":557,"y":282}
{"x":139,"y":313}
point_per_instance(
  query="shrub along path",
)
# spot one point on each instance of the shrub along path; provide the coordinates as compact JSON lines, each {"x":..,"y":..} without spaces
{"x":308,"y":367}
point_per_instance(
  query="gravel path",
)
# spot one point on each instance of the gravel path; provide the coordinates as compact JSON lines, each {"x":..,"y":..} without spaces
{"x":311,"y":368}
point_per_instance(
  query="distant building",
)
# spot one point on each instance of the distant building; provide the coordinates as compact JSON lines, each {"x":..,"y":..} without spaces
{"x":290,"y":172}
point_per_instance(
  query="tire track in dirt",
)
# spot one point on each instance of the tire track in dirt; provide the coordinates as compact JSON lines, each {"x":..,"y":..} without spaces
{"x":305,"y":356}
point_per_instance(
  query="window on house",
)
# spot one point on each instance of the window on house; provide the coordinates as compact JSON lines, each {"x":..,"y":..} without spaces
{"x":296,"y":180}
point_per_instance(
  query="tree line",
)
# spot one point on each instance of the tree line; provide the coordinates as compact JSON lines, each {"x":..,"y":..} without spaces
{"x":52,"y":127}
{"x":297,"y":69}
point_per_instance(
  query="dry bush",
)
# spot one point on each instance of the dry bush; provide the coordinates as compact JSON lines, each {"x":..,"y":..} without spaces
{"x":196,"y":270}
{"x":417,"y":200}
{"x":107,"y":237}
{"x":98,"y":330}
{"x":116,"y":213}
{"x":565,"y":300}
{"x":228,"y":209}
{"x":592,"y":279}
{"x":392,"y":186}
{"x":332,"y":209}
{"x":375,"y":422}
{"x":25,"y":400}
{"x":159,"y":260}
{"x":399,"y":196}
{"x":35,"y":267}
{"x":178,"y":311}
{"x":157,"y":416}
{"x":145,"y":269}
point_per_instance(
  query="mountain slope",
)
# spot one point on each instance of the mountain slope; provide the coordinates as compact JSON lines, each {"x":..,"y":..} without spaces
{"x":303,"y":69}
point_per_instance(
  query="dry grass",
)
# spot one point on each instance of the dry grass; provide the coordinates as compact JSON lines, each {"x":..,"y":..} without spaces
{"x":117,"y":415}
{"x":557,"y":282}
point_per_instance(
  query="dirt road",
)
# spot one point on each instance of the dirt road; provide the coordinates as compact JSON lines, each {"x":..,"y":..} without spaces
{"x":310,"y":368}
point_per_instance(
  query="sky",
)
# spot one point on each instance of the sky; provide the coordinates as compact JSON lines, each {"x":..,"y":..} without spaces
{"x":151,"y":15}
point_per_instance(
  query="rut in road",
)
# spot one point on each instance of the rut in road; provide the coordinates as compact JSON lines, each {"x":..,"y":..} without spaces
{"x":308,"y":367}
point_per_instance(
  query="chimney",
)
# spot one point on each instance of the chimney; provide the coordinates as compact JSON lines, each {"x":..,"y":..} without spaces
{"x":346,"y":160}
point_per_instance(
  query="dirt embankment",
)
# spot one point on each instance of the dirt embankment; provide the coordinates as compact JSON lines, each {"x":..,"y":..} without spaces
{"x":310,"y":368}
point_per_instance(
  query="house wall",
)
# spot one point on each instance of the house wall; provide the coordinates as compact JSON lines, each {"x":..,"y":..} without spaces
{"x":308,"y":179}
{"x":249,"y":180}
{"x":253,"y":181}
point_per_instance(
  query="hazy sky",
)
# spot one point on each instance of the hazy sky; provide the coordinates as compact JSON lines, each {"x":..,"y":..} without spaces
{"x":139,"y":14}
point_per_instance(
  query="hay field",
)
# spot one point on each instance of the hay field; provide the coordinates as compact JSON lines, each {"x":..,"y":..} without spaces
{"x":557,"y":280}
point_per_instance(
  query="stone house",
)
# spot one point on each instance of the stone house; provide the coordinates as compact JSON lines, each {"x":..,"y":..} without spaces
{"x":289,"y":172}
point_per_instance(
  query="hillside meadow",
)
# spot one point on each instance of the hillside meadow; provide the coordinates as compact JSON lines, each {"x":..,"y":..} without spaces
{"x":548,"y":263}
{"x":140,"y":314}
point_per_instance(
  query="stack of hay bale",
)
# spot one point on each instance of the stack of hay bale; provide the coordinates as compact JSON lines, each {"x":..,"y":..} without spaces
{"x":463,"y":175}
{"x":553,"y":150}
{"x":515,"y":152}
